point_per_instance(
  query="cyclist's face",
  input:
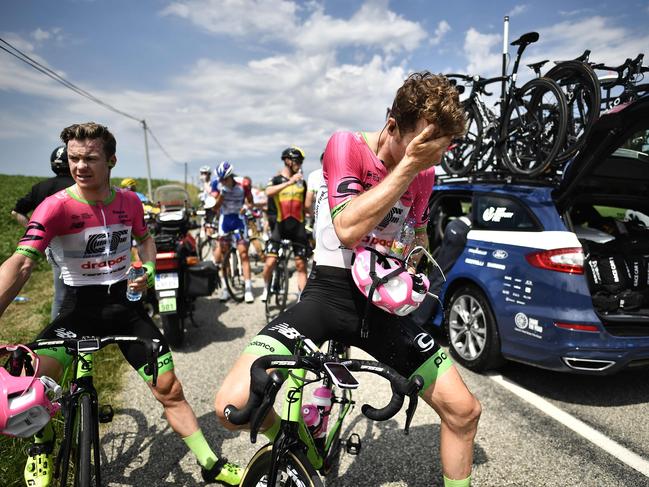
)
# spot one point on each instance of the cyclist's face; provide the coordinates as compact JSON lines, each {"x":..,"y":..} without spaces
{"x":88,"y":163}
{"x":293,"y":164}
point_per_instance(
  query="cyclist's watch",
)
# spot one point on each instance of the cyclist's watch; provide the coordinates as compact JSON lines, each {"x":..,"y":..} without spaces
{"x":150,"y":273}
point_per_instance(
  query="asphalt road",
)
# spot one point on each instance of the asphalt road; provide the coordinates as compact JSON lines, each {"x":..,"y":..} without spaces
{"x":517,"y":444}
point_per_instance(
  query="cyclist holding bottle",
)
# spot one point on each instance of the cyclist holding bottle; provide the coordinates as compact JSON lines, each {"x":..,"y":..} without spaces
{"x":89,"y":227}
{"x":375,"y":180}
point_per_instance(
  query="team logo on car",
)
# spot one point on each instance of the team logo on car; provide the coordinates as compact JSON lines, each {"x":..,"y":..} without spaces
{"x":500,"y":254}
{"x":521,"y":321}
{"x":496,"y":214}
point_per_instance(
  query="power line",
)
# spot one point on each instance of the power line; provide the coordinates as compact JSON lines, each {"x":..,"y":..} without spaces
{"x":162,"y":148}
{"x":17,"y":53}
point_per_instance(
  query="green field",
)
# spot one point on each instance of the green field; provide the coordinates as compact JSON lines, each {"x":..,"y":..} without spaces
{"x":22,"y":321}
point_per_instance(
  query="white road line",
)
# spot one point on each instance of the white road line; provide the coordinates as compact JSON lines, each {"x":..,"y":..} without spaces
{"x":623,"y":454}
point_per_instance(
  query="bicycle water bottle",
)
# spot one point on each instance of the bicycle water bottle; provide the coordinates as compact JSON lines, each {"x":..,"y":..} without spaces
{"x":134,"y":272}
{"x":316,"y":414}
{"x":402,"y":244}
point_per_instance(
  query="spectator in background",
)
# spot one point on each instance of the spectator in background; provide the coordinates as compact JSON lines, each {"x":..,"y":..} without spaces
{"x":131,"y":185}
{"x":29,"y":202}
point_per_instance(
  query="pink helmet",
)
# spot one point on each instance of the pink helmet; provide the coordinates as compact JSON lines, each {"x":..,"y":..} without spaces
{"x":26,"y":402}
{"x":395,"y":290}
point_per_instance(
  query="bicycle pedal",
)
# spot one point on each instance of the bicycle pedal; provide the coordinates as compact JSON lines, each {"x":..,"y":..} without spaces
{"x":105,"y":413}
{"x":353,"y":444}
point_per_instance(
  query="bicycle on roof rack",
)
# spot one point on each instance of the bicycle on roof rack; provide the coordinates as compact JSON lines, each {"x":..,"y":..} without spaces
{"x":623,"y":87}
{"x":524,"y":137}
{"x":299,"y":451}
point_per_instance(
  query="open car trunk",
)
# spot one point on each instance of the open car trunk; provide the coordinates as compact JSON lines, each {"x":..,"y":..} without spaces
{"x":604,"y":198}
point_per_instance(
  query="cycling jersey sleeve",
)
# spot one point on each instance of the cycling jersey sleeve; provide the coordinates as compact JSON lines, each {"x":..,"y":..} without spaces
{"x":422,"y":188}
{"x":43,"y":226}
{"x":343,"y":170}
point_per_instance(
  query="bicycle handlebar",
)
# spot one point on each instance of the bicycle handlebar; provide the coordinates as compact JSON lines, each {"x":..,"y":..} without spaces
{"x":77,"y":346}
{"x":264,"y":387}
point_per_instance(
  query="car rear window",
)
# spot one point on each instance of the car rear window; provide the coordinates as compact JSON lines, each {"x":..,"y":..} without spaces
{"x":495,"y":212}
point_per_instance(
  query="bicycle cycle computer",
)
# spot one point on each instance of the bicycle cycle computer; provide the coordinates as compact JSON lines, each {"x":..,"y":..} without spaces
{"x":340,"y":375}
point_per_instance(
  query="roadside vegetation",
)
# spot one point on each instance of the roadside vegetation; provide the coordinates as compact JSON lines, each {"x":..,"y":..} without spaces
{"x":22,"y":321}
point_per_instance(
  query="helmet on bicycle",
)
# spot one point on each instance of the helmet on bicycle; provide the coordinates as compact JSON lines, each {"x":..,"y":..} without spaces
{"x":392,"y":287}
{"x":205,"y":169}
{"x":224,"y":170}
{"x":25,"y":404}
{"x":128,"y":183}
{"x":293,"y":153}
{"x":59,"y":160}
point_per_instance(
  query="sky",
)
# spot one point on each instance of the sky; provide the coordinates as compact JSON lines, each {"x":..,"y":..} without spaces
{"x":240,"y":80}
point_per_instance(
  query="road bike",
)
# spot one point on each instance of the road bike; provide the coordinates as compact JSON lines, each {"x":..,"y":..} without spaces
{"x":623,"y":86}
{"x":299,"y":452}
{"x":527,"y":134}
{"x":277,"y":287}
{"x":78,"y":458}
{"x":581,"y":87}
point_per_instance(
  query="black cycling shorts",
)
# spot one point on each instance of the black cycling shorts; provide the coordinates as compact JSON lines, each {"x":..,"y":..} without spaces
{"x":292,"y":230}
{"x":331,"y":308}
{"x":102,"y":311}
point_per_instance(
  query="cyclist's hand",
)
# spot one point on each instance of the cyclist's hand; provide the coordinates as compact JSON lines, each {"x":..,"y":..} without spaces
{"x":296,"y":177}
{"x":427,"y":148}
{"x":138,"y":284}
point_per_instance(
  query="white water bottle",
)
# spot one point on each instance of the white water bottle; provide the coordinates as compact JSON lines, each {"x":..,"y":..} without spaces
{"x":134,"y":272}
{"x":402,"y":244}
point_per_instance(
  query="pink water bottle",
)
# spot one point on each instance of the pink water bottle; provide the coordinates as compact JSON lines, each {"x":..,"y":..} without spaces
{"x":311,"y":416}
{"x":316,"y":414}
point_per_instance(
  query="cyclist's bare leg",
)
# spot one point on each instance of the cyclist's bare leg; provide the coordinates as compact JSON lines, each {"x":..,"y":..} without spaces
{"x":459,"y":411}
{"x":50,"y":367}
{"x":300,"y":268}
{"x":180,"y":415}
{"x":242,"y":247}
{"x":220,"y":250}
{"x":269,"y":265}
{"x":235,"y":390}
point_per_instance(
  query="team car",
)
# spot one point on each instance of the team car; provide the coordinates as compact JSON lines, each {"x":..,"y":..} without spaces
{"x":553,"y":275}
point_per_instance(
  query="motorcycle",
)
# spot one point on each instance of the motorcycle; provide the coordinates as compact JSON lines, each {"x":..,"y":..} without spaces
{"x":180,"y":276}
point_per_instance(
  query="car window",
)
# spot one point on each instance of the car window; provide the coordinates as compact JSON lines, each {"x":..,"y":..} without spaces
{"x":495,"y":212}
{"x":445,"y":209}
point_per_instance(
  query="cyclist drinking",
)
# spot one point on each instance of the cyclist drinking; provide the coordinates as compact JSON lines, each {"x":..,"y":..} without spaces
{"x":88,"y":227}
{"x":375,"y":180}
{"x":231,"y":198}
{"x":288,"y":191}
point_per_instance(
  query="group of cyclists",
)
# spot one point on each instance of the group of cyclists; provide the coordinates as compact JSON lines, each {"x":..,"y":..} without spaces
{"x":371,"y":183}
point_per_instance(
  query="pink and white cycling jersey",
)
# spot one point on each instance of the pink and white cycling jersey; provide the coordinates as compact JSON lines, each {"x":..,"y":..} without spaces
{"x":350,"y":168}
{"x":91,"y":241}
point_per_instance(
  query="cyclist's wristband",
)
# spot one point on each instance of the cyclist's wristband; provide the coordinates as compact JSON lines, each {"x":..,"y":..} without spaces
{"x":150,"y":273}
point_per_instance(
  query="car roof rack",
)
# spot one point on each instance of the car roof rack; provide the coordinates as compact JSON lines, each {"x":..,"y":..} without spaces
{"x":501,"y":177}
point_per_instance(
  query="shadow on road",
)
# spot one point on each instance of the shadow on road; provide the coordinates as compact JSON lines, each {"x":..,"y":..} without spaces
{"x":144,"y":455}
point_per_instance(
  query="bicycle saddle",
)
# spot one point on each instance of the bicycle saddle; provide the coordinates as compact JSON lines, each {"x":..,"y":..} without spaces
{"x":525,"y":39}
{"x":538,"y":66}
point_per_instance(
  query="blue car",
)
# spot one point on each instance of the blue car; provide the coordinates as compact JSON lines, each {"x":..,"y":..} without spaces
{"x":552,"y":275}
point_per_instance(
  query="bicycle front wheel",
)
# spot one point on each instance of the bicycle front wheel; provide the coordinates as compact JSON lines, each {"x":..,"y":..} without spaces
{"x":234,"y":275}
{"x":534,"y":127}
{"x":86,"y":445}
{"x":277,"y":291}
{"x":464,"y":152}
{"x":294,"y":470}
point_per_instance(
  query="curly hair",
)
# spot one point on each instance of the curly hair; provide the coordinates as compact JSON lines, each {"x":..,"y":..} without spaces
{"x":91,"y":130}
{"x":431,"y":97}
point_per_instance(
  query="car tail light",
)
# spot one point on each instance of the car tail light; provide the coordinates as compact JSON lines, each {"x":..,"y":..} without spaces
{"x":577,"y":327}
{"x":165,"y":261}
{"x":570,"y":260}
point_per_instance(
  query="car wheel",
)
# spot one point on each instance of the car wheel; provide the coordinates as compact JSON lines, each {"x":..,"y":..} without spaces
{"x":472,"y":331}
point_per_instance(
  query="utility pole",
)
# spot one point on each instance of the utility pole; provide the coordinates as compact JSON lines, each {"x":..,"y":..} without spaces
{"x":148,"y":162}
{"x":185,"y":176}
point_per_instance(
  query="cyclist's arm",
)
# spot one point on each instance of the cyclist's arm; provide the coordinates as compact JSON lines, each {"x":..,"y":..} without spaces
{"x":363,"y":212}
{"x":20,"y":218}
{"x":147,"y":251}
{"x":308,"y":202}
{"x":14,"y":273}
{"x":276,"y":188}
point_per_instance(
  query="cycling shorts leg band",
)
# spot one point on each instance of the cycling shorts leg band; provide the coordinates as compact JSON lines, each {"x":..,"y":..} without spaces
{"x":433,"y":368}
{"x":165,"y":364}
{"x":57,"y":353}
{"x":262,"y":345}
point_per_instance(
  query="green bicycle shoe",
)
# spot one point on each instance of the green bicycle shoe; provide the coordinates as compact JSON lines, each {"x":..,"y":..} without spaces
{"x":223,"y":472}
{"x":39,"y":468}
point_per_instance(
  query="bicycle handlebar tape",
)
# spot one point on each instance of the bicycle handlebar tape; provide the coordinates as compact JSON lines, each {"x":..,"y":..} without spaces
{"x":150,"y":273}
{"x":385,"y":413}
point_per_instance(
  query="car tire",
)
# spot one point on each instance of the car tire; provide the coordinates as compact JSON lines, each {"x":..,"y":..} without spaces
{"x":473,"y":338}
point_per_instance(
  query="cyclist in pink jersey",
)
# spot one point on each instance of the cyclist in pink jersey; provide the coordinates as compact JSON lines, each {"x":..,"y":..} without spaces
{"x":89,"y":227}
{"x":376,"y":180}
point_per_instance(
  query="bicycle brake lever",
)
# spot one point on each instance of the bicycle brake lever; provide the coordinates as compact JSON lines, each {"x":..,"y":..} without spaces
{"x":418,"y":383}
{"x":270,"y":392}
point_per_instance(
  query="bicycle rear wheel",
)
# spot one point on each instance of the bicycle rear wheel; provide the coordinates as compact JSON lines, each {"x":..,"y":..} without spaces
{"x":295,"y":470}
{"x":581,"y":87}
{"x":234,"y":275}
{"x":465,"y":151}
{"x":204,"y":248}
{"x":534,"y":127}
{"x":277,"y":291}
